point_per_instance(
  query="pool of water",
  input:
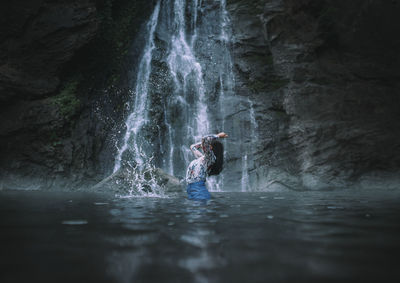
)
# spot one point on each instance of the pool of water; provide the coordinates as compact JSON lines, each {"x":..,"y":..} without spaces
{"x":332,"y":236}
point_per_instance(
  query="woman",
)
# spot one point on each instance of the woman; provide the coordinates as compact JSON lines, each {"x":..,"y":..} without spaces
{"x":207,"y":163}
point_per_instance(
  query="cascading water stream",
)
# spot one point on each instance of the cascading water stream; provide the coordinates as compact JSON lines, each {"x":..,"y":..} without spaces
{"x":226,"y":79}
{"x":189,"y":89}
{"x":245,"y":186}
{"x":183,"y":64}
{"x":139,"y":116}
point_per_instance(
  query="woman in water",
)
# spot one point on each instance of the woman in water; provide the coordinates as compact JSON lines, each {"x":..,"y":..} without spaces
{"x":209,"y":162}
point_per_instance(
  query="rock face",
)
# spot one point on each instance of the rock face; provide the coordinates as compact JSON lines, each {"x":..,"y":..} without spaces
{"x":37,"y":38}
{"x":325,"y":79}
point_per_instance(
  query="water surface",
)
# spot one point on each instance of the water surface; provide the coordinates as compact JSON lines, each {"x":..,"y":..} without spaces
{"x":237,"y":237}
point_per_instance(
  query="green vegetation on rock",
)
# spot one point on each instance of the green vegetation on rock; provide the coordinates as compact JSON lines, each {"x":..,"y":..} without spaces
{"x":66,"y":100}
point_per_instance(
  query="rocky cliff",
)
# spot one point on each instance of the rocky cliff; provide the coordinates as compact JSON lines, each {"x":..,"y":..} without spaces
{"x":323,"y":77}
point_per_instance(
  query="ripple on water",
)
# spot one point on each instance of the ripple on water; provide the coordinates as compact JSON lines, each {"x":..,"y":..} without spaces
{"x":75,"y":222}
{"x":100,"y":203}
{"x":140,"y":240}
{"x":335,"y":207}
{"x":115,"y":212}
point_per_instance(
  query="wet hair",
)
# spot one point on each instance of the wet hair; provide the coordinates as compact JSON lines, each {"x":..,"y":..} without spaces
{"x":218,"y":150}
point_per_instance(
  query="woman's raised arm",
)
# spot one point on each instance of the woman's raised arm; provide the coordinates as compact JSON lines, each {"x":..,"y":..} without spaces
{"x":195,"y":148}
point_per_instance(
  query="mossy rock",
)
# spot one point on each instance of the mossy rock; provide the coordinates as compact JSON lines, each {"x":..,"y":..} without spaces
{"x":67,"y":101}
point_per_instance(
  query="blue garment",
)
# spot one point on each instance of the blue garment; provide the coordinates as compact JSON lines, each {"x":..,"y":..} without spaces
{"x":198,"y":191}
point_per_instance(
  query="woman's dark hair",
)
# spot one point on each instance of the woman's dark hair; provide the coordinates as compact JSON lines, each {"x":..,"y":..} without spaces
{"x":218,"y":150}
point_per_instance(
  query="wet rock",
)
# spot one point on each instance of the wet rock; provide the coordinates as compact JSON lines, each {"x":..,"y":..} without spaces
{"x":325,"y":88}
{"x":37,"y":39}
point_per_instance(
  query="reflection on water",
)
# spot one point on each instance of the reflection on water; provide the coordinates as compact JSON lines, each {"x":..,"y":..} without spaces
{"x":236,"y":237}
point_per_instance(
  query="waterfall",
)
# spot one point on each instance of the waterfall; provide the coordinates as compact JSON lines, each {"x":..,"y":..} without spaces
{"x":189,"y":88}
{"x":186,"y":69}
{"x":245,"y":185}
{"x":194,"y":93}
{"x":139,"y":115}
